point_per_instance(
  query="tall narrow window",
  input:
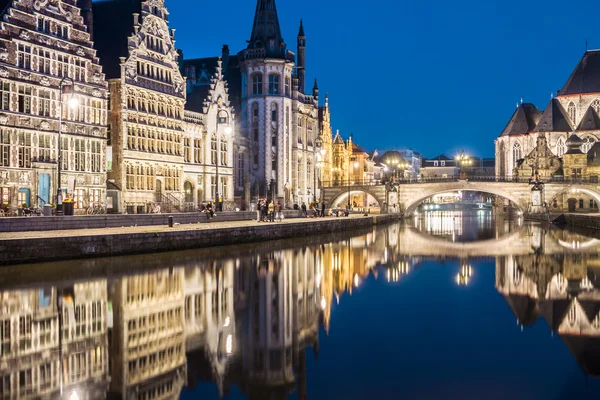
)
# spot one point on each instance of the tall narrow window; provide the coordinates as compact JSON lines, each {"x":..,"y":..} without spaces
{"x":96,"y":156}
{"x":223,"y":150}
{"x":516,"y":153}
{"x":257,"y":84}
{"x":25,"y":150}
{"x":24,"y":56}
{"x":79,"y":155}
{"x":44,"y":148}
{"x":44,"y":103}
{"x":241,"y":169}
{"x":25,"y":99}
{"x":572,"y":112}
{"x":213,"y":149}
{"x":560,"y":147}
{"x":287,"y":86}
{"x":4,"y":148}
{"x":4,"y":95}
{"x":274,"y":84}
{"x":96,"y":112}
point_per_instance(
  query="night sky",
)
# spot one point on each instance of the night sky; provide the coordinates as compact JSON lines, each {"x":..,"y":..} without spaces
{"x":435,"y":76}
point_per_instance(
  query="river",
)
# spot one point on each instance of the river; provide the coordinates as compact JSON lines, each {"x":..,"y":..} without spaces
{"x":448,"y":305}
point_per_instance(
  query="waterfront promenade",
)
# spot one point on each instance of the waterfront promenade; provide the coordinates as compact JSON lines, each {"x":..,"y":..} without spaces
{"x":37,"y":246}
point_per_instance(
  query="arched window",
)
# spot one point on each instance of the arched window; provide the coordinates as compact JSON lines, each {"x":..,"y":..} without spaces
{"x":588,"y":142}
{"x":213,"y":149}
{"x":572,"y":112}
{"x":596,"y":106}
{"x":572,"y":315}
{"x":516,"y":153}
{"x":274,"y":84}
{"x":560,"y":147}
{"x":257,"y":84}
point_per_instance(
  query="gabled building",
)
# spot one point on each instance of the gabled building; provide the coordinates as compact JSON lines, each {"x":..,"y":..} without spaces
{"x":45,"y":44}
{"x":137,"y":50}
{"x":441,"y":166}
{"x":576,"y":108}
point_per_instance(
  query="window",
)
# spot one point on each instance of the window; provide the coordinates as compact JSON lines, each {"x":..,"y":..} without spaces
{"x":79,"y":155}
{"x":44,"y":61}
{"x":44,"y":103}
{"x":64,"y":156}
{"x":96,"y":112}
{"x":25,"y":382}
{"x":274,"y":112}
{"x":572,"y":111}
{"x":213,"y":189}
{"x":241,"y":169}
{"x":560,"y":147}
{"x":44,"y":148}
{"x":580,"y":203}
{"x":213,"y":150}
{"x":45,"y":332}
{"x":4,"y":148}
{"x":443,"y":163}
{"x":223,"y":151}
{"x":62,"y":65}
{"x":516,"y":153}
{"x":5,"y":338}
{"x":593,"y":204}
{"x":588,"y":142}
{"x":596,"y":106}
{"x":287,"y":86}
{"x":274,"y":84}
{"x":25,"y":99}
{"x":96,"y":157}
{"x":257,"y":84}
{"x":24,"y":56}
{"x":198,"y":151}
{"x":43,"y":25}
{"x":25,"y":150}
{"x":4,"y":95}
{"x":25,"y":333}
{"x":224,"y":187}
{"x":435,"y":163}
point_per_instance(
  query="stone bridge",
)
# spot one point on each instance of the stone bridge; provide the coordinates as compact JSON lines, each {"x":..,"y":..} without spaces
{"x":408,"y":196}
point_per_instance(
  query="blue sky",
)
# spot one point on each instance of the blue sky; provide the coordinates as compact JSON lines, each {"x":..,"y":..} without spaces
{"x":435,"y":76}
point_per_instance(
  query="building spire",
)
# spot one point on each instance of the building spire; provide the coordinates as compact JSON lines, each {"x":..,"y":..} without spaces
{"x":301,"y":30}
{"x":266,"y":32}
{"x":301,"y":59}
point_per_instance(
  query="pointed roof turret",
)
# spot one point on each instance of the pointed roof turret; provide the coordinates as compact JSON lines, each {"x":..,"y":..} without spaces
{"x":554,"y":119}
{"x":266,"y":32}
{"x":523,"y":120}
{"x":590,"y":121}
{"x":574,"y":143}
{"x":338,"y":139}
{"x":301,"y":30}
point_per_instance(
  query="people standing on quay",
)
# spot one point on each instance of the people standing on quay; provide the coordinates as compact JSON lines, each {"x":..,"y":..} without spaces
{"x":303,"y":209}
{"x":323,"y":209}
{"x":271,"y":211}
{"x":279,"y":211}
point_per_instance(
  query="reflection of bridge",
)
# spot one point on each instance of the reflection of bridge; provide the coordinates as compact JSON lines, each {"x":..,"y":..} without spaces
{"x":408,"y":195}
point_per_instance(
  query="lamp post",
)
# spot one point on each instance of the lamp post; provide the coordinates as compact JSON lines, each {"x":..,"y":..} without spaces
{"x":73,"y":103}
{"x":317,"y":160}
{"x":355,"y":167}
{"x":463,"y":160}
{"x":224,"y":121}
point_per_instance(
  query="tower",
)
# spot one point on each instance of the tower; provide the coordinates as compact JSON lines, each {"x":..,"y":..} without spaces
{"x":301,"y":59}
{"x":266,"y":67}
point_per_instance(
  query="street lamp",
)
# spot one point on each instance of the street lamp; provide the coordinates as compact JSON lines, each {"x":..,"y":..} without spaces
{"x":73,"y":103}
{"x":463,"y":161}
{"x":355,"y":167}
{"x":220,"y":121}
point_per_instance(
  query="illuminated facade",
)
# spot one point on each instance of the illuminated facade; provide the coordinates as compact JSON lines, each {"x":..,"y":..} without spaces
{"x":148,"y":334}
{"x":146,"y":120}
{"x":33,"y":339}
{"x":41,"y":44}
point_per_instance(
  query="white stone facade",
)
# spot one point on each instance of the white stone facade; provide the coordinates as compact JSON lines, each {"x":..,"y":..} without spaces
{"x":42,"y":42}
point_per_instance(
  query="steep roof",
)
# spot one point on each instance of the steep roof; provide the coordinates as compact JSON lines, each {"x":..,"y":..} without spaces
{"x":524,"y":307}
{"x":338,"y":139}
{"x":593,"y":155}
{"x":232,"y":75}
{"x":590,"y":121}
{"x":586,"y":76}
{"x":113,"y":24}
{"x":441,"y":157}
{"x":524,"y":120}
{"x":266,"y":32}
{"x":356,"y":149}
{"x":554,"y":119}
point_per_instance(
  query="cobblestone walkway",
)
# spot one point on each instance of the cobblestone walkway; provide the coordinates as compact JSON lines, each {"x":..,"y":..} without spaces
{"x":215,"y":224}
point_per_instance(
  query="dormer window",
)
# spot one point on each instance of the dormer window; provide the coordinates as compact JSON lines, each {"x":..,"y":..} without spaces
{"x":435,"y":163}
{"x":443,"y":163}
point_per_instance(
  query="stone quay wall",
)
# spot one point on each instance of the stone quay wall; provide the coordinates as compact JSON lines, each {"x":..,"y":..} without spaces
{"x":583,"y":221}
{"x":28,"y":224}
{"x":79,"y":245}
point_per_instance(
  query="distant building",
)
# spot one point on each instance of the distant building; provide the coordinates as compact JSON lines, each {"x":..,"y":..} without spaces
{"x":441,"y":166}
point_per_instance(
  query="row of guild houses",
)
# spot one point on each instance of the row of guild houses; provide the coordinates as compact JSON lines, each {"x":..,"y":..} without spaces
{"x":149,"y":127}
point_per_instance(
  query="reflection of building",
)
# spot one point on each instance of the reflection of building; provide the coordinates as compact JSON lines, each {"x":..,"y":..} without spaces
{"x":564,"y":291}
{"x":31,"y":342}
{"x":147,"y":340}
{"x":42,"y":44}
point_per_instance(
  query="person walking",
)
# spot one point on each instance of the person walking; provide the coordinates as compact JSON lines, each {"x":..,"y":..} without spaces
{"x":279,"y":212}
{"x":323,"y":209}
{"x":258,"y":216}
{"x":303,"y":209}
{"x":271,"y":211}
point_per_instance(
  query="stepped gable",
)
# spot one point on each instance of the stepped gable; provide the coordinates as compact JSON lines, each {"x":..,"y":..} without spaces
{"x":554,"y":119}
{"x":590,"y":121}
{"x":586,"y":76}
{"x":524,"y":120}
{"x":113,"y":25}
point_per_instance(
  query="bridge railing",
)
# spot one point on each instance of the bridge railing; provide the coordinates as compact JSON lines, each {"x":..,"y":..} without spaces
{"x":568,"y":180}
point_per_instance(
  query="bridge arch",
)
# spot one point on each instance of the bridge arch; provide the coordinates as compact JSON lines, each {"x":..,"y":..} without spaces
{"x":555,"y":190}
{"x":340,"y":199}
{"x":413,"y":195}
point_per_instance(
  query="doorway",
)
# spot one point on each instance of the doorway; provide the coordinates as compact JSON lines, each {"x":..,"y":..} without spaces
{"x":43,"y":189}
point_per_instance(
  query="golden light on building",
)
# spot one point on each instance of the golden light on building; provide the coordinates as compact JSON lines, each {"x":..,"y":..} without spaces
{"x":323,"y":303}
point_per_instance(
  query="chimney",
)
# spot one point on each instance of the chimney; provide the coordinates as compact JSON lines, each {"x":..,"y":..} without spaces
{"x":88,"y":17}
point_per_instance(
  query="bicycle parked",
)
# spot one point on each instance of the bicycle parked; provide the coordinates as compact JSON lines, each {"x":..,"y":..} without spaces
{"x":96,"y":209}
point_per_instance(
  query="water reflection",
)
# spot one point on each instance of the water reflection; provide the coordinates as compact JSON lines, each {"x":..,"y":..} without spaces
{"x":145,"y":327}
{"x":460,"y":226}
